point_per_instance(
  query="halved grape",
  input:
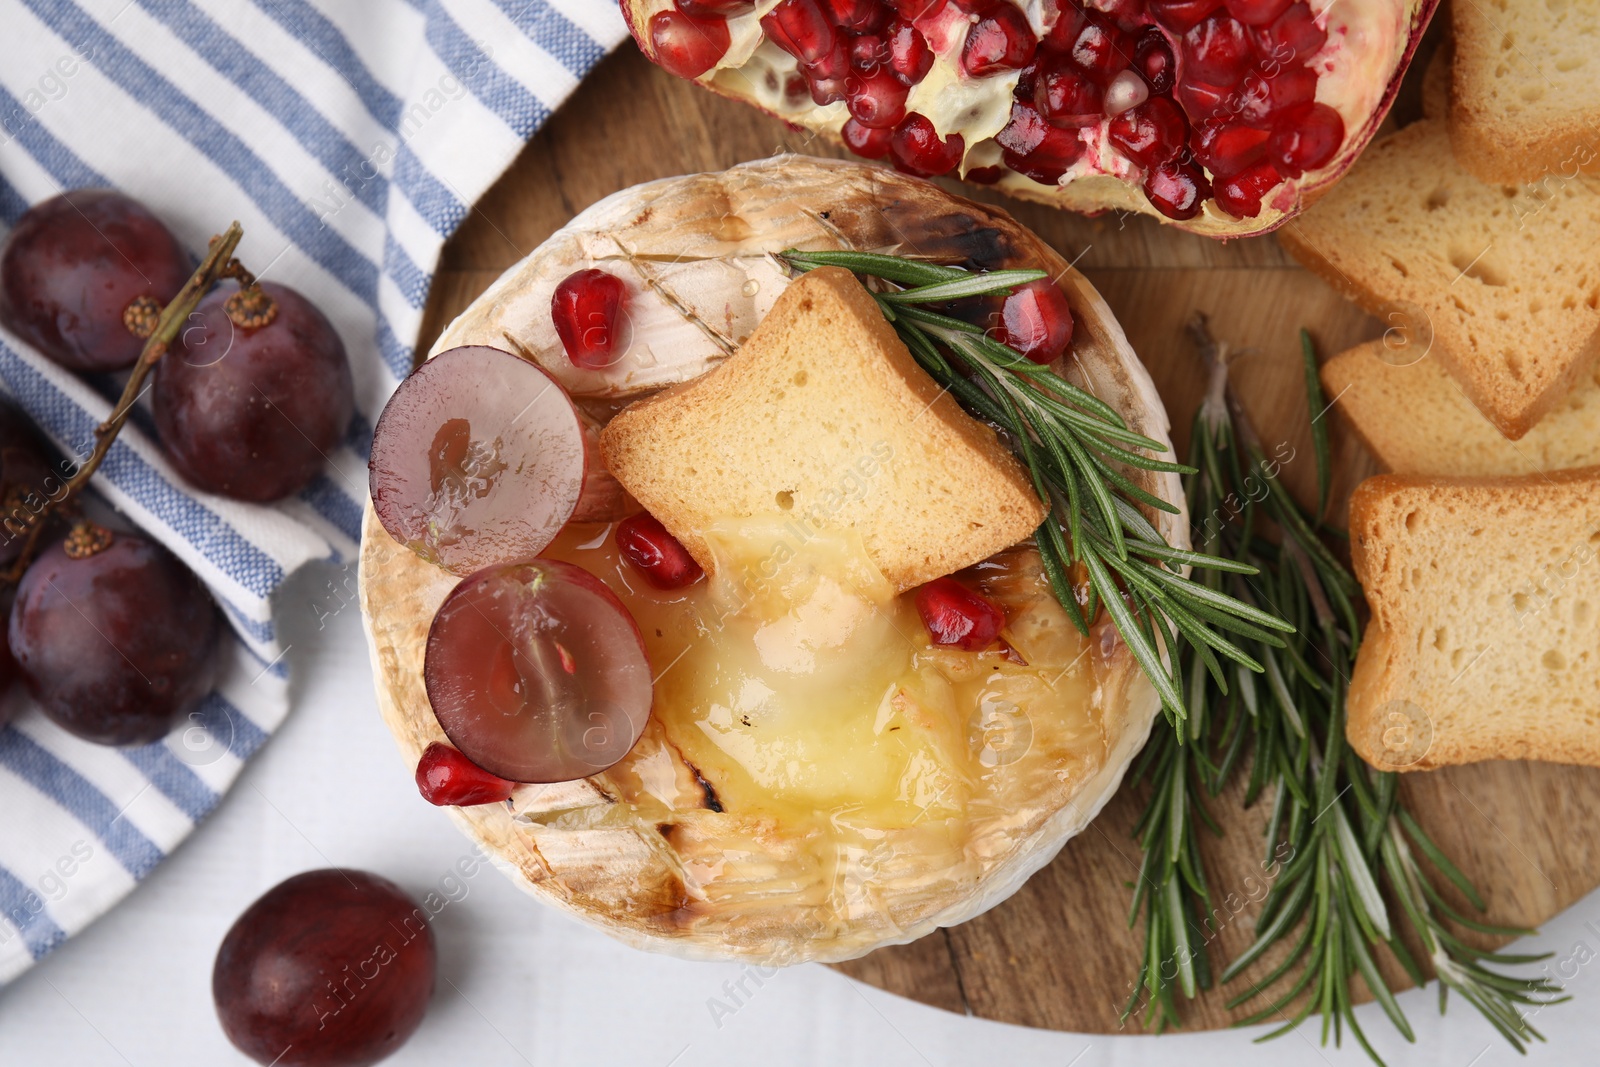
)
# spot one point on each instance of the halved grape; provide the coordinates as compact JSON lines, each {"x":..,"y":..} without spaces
{"x":479,"y":458}
{"x":537,"y":672}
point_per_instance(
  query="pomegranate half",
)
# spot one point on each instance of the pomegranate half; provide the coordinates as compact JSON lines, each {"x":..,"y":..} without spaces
{"x":1222,"y":117}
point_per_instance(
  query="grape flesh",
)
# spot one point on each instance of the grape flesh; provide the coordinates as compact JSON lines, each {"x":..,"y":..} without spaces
{"x":479,"y":458}
{"x":117,"y":645}
{"x":253,"y":414}
{"x":331,"y":968}
{"x":537,"y":672}
{"x":71,"y":267}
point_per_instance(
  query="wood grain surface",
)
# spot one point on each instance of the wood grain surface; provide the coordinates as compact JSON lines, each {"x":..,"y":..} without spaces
{"x":1060,"y":953}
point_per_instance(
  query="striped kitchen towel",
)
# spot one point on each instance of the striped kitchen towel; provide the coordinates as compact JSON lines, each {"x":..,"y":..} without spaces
{"x":350,"y":138}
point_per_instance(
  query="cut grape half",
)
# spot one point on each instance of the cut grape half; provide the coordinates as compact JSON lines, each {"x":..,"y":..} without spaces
{"x":479,"y":458}
{"x":537,"y":673}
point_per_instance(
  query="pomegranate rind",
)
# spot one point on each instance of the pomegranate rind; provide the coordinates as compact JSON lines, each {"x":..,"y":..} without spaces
{"x":572,"y":845}
{"x":1359,"y":79}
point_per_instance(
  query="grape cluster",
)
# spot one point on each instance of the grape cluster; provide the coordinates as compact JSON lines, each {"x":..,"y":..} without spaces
{"x":113,"y":636}
{"x":256,"y":391}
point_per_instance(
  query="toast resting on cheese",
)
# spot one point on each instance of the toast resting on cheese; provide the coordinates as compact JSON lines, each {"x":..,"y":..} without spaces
{"x":1415,"y":419}
{"x":823,"y":416}
{"x":1485,"y":634}
{"x":1506,"y":277}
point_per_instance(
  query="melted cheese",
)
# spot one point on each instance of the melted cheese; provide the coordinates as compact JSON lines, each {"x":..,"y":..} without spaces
{"x":800,"y":688}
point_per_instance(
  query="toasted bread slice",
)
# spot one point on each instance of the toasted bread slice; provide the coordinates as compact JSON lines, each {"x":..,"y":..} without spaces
{"x":1525,"y":88}
{"x":824,"y":415}
{"x":1485,"y":595}
{"x":1415,"y":419}
{"x":1505,"y":277}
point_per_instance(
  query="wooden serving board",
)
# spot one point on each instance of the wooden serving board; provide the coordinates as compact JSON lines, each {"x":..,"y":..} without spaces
{"x":1060,"y":953}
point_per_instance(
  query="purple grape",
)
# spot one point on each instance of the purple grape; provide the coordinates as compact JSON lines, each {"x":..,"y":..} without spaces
{"x":331,"y":968}
{"x":79,"y":269}
{"x":253,"y":413}
{"x":114,"y":637}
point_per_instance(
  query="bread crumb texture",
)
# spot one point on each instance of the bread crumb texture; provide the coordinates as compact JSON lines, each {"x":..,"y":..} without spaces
{"x":824,"y":416}
{"x":1499,"y":282}
{"x":1485,"y":633}
{"x":1525,"y":87}
{"x":1416,"y":420}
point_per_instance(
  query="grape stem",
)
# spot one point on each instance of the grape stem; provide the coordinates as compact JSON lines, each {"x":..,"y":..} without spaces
{"x":218,"y":263}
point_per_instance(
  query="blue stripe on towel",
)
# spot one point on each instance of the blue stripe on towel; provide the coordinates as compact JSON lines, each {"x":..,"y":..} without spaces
{"x":216,"y":142}
{"x":229,"y":725}
{"x":78,"y":796}
{"x":266,"y":87}
{"x":27,"y":911}
{"x":175,"y":779}
{"x":554,"y":32}
{"x":61,"y":162}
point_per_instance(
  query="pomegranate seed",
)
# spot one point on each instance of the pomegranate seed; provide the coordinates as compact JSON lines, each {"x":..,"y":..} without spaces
{"x":1217,"y":51}
{"x":1037,"y":321}
{"x":800,"y":28}
{"x":866,"y":141}
{"x":1306,"y":140}
{"x":713,"y":9}
{"x":1153,"y":59}
{"x":1201,"y":101}
{"x":1263,"y":99}
{"x":955,"y":615}
{"x":1034,"y":148}
{"x":1226,"y":150}
{"x":877,"y":100}
{"x":685,"y":45}
{"x":1257,"y":12}
{"x":1101,"y":50}
{"x":1178,"y":190}
{"x":916,"y":9}
{"x":869,"y":52}
{"x":909,"y":55}
{"x":1180,"y":16}
{"x":985,"y":175}
{"x":1240,"y":195}
{"x":587,"y":309}
{"x":1127,"y":90}
{"x":1128,"y":14}
{"x":655,"y":553}
{"x":1068,"y":98}
{"x":1000,"y":40}
{"x":919,"y":150}
{"x":447,"y":778}
{"x":828,"y":76}
{"x":1069,"y":23}
{"x":1152,"y":133}
{"x":861,"y":16}
{"x":1293,"y":38}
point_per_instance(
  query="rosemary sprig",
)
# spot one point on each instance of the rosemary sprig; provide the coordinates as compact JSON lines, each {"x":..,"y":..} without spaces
{"x":1337,"y":833}
{"x":1080,"y":454}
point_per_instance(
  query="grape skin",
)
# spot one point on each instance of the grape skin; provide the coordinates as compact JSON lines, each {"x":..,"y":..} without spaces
{"x":117,"y":646}
{"x":71,"y":266}
{"x":254,"y":414}
{"x":331,"y":968}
